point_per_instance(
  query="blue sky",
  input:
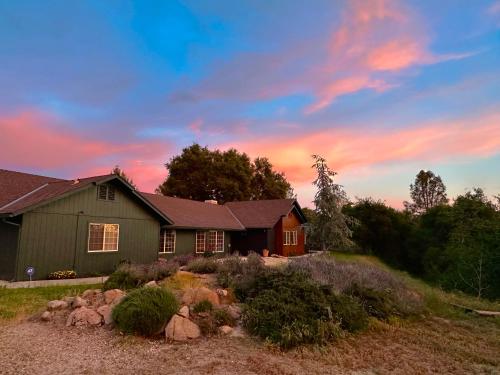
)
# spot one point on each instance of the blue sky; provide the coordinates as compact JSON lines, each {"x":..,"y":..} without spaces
{"x":381,"y":88}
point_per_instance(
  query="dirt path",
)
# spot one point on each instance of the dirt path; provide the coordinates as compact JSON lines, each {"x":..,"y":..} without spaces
{"x":432,"y":346}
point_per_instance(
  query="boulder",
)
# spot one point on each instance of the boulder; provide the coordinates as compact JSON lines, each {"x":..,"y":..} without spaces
{"x":184,"y":311}
{"x":79,"y":302}
{"x":106,"y":312}
{"x":195,"y":295}
{"x":57,"y":305}
{"x":46,"y":316}
{"x":225,"y":330}
{"x":94,"y":297}
{"x":151,"y":284}
{"x":181,"y":329}
{"x":113,"y":296}
{"x":69,"y":300}
{"x":89,"y":293}
{"x":83,"y":316}
{"x":234,"y":311}
{"x":222,"y":292}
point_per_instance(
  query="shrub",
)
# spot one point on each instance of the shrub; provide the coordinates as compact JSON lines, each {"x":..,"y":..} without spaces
{"x":348,"y":311}
{"x":145,"y":311}
{"x":129,"y":276}
{"x":203,"y":306}
{"x":288,"y":309}
{"x":229,"y":269}
{"x":202,"y":265}
{"x":223,"y":318}
{"x":183,"y":260}
{"x":121,"y":280}
{"x":58,"y":275}
{"x":378,"y":304}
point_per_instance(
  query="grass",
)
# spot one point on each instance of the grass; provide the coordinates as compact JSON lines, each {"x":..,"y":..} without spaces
{"x":181,"y":281}
{"x":23,"y":302}
{"x":437,"y":301}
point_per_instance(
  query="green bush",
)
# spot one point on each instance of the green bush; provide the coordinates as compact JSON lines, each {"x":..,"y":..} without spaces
{"x":129,"y":276}
{"x":121,"y":279}
{"x":348,"y":311}
{"x":145,"y":311}
{"x":228,"y":270}
{"x":202,"y":265}
{"x":287,"y":309}
{"x":203,"y":306}
{"x":223,"y":318}
{"x":379,"y":304}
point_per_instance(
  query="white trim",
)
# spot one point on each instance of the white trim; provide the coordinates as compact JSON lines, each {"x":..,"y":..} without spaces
{"x":290,"y":238}
{"x":216,"y":240}
{"x":23,"y":196}
{"x":104,"y":239}
{"x":165,"y":241}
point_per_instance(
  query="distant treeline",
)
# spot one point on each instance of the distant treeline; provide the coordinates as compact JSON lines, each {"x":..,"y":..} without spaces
{"x":453,"y":245}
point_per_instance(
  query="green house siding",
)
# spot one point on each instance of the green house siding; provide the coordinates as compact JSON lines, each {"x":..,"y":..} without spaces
{"x":185,"y":243}
{"x":55,"y":236}
{"x":8,"y":247}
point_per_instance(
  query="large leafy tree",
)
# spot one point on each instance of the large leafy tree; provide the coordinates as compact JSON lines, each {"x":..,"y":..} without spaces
{"x":426,"y":192}
{"x":200,"y":174}
{"x":331,"y":227}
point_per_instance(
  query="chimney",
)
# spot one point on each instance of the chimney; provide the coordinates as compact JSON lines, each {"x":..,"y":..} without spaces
{"x":211,"y":201}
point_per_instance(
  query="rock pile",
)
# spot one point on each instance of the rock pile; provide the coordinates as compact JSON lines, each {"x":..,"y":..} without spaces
{"x":92,"y":308}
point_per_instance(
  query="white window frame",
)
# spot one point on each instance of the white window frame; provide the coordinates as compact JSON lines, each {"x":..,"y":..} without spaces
{"x":217,"y":240}
{"x":104,"y":239}
{"x":108,"y":188}
{"x":163,"y":238}
{"x":289,"y":237}
{"x":204,"y":242}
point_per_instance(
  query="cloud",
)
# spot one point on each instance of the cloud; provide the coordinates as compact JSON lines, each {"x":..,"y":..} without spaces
{"x":349,"y":149}
{"x":35,"y":140}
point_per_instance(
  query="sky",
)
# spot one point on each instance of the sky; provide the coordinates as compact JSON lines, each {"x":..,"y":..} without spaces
{"x":380,"y":88}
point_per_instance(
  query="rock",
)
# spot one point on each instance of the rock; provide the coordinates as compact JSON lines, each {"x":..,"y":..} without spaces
{"x":234,"y":311}
{"x":88,"y":293}
{"x":222,"y":292}
{"x":238,"y":332}
{"x":83,"y":316}
{"x":106,"y":312}
{"x":79,"y":302}
{"x":113,"y":296}
{"x":57,"y":305}
{"x":195,"y":295}
{"x":151,"y":284}
{"x":46,"y":316}
{"x":181,"y":329}
{"x":225,"y":330}
{"x":184,"y":311}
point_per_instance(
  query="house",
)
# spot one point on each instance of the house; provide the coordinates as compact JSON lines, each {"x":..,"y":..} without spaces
{"x":87,"y":225}
{"x":276,"y":225}
{"x":198,"y":227}
{"x":92,"y":224}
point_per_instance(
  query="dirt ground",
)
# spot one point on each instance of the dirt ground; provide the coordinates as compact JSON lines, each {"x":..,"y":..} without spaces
{"x":430,"y":346}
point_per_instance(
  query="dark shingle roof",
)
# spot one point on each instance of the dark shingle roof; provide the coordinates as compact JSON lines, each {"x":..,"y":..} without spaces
{"x":187,"y":213}
{"x":261,"y":213}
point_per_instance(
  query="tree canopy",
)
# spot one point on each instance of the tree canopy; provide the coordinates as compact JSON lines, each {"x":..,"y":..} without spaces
{"x":118,"y":171}
{"x":427,"y":191}
{"x":200,"y":174}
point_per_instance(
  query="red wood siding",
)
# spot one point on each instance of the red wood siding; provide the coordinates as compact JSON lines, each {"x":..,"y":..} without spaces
{"x":289,"y":223}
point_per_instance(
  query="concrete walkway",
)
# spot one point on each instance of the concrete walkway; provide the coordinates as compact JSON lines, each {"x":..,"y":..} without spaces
{"x":42,"y":283}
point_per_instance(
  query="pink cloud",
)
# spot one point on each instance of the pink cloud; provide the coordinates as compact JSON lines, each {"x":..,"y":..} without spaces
{"x":347,"y":149}
{"x":36,"y":140}
{"x":196,"y":125}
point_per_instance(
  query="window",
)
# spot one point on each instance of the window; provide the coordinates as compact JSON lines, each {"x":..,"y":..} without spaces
{"x":103,"y":237}
{"x":212,"y":241}
{"x":200,"y":242}
{"x":290,"y":237}
{"x":106,"y":192}
{"x":167,"y":241}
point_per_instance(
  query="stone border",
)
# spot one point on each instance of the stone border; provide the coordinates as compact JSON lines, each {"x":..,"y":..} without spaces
{"x":43,"y":283}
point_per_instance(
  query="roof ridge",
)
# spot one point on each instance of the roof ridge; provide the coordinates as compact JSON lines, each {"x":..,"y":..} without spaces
{"x":233,"y":215}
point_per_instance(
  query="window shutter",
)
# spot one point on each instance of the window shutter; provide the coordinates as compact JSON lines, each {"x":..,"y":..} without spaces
{"x":111,"y":193}
{"x":102,"y":192}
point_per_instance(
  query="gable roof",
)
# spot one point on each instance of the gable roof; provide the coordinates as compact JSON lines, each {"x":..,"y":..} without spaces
{"x":187,"y":213}
{"x":21,"y":192}
{"x":263,"y":213}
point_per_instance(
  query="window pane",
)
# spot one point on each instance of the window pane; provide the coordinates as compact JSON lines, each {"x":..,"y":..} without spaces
{"x":212,"y":240}
{"x":96,"y":237}
{"x":102,"y":192}
{"x":169,"y":241}
{"x":220,"y":242}
{"x":111,"y":237}
{"x":162,"y":241}
{"x":200,"y":242}
{"x":111,"y":193}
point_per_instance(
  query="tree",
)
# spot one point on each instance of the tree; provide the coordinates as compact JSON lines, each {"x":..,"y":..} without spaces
{"x":200,"y":174}
{"x":427,"y":191}
{"x":119,"y":172}
{"x":331,"y":227}
{"x":268,"y":184}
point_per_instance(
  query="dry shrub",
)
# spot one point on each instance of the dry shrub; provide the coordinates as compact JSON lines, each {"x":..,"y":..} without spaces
{"x":202,"y":265}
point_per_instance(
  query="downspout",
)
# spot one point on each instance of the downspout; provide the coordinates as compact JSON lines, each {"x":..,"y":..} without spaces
{"x":75,"y":247}
{"x":16,"y":265}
